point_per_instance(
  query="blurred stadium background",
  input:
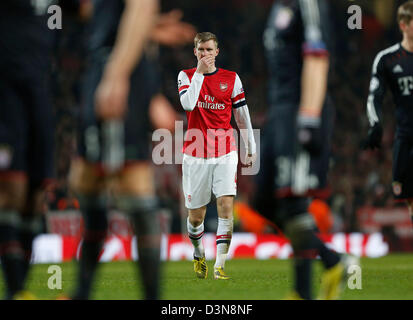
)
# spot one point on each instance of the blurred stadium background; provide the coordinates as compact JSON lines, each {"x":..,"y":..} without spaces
{"x":357,"y":215}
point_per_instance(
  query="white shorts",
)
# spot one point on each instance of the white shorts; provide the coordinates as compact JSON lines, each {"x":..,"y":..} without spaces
{"x":201,"y":176}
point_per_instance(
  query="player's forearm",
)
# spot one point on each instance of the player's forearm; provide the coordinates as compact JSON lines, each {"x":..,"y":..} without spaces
{"x":375,"y":99}
{"x":243,"y":120}
{"x":190,"y":97}
{"x":137,"y":20}
{"x":373,"y":109}
{"x":313,"y":85}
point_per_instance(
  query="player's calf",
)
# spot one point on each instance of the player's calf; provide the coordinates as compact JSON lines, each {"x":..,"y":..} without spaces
{"x":306,"y":246}
{"x":136,"y":179}
{"x":12,"y":202}
{"x":31,"y":222}
{"x":85,"y":178}
{"x":135,"y":195}
{"x":94,"y":212}
{"x":225,"y":227}
{"x":87,"y":182}
{"x":143,"y":213}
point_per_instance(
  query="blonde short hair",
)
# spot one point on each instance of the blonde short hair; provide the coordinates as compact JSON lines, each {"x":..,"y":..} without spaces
{"x":204,"y":37}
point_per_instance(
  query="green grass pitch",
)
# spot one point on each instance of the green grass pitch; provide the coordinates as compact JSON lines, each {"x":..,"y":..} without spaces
{"x":389,"y":277}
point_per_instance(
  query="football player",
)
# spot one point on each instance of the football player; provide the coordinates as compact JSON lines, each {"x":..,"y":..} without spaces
{"x":26,"y":134}
{"x":393,"y":69}
{"x":114,"y":152}
{"x":296,"y":146}
{"x":209,"y":95}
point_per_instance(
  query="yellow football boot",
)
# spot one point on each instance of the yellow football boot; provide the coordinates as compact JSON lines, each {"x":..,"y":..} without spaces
{"x":24,"y":295}
{"x":219,"y":274}
{"x":293,"y":295}
{"x":333,"y":279}
{"x":200,"y":267}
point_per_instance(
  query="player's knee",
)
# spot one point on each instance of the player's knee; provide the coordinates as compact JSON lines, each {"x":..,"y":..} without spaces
{"x":293,"y":206}
{"x":36,"y":202}
{"x":94,"y":211}
{"x":147,"y":228}
{"x":13,"y":194}
{"x":286,"y":209}
{"x":299,"y":229}
{"x":137,"y":180}
{"x":195,"y":221}
{"x":84,"y":178}
{"x":143,"y":213}
{"x":196,"y":216}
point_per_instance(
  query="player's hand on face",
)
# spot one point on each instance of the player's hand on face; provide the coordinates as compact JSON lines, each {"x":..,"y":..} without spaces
{"x":205,"y":63}
{"x":111,"y":97}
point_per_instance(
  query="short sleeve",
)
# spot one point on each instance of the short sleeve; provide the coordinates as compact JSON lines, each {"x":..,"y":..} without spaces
{"x":183,"y":83}
{"x":316,"y":27}
{"x":238,"y":95}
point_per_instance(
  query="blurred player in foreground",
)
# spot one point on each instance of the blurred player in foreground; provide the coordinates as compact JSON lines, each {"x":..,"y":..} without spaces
{"x":208,"y":95}
{"x":393,"y":68}
{"x":113,"y":141}
{"x":297,"y":137}
{"x":26,"y":134}
{"x":122,"y":100}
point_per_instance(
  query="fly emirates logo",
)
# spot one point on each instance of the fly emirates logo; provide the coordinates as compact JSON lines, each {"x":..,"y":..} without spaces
{"x":210,"y":104}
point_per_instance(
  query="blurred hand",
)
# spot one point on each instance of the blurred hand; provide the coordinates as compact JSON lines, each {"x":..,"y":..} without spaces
{"x":249,"y":160}
{"x":205,"y":63}
{"x":111,"y":97}
{"x":374,"y":136}
{"x":170,"y":31}
{"x":309,"y":134}
{"x":162,"y":113}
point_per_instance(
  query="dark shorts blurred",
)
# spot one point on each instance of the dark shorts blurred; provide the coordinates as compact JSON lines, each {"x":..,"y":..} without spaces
{"x":286,"y":170}
{"x":402,"y":169}
{"x":136,"y":137}
{"x":26,"y":125}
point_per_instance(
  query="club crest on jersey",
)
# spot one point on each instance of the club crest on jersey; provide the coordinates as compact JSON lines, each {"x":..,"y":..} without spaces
{"x":223,"y":86}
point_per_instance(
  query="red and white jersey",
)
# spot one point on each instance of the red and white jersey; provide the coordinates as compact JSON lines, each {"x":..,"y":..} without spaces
{"x":210,"y":111}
